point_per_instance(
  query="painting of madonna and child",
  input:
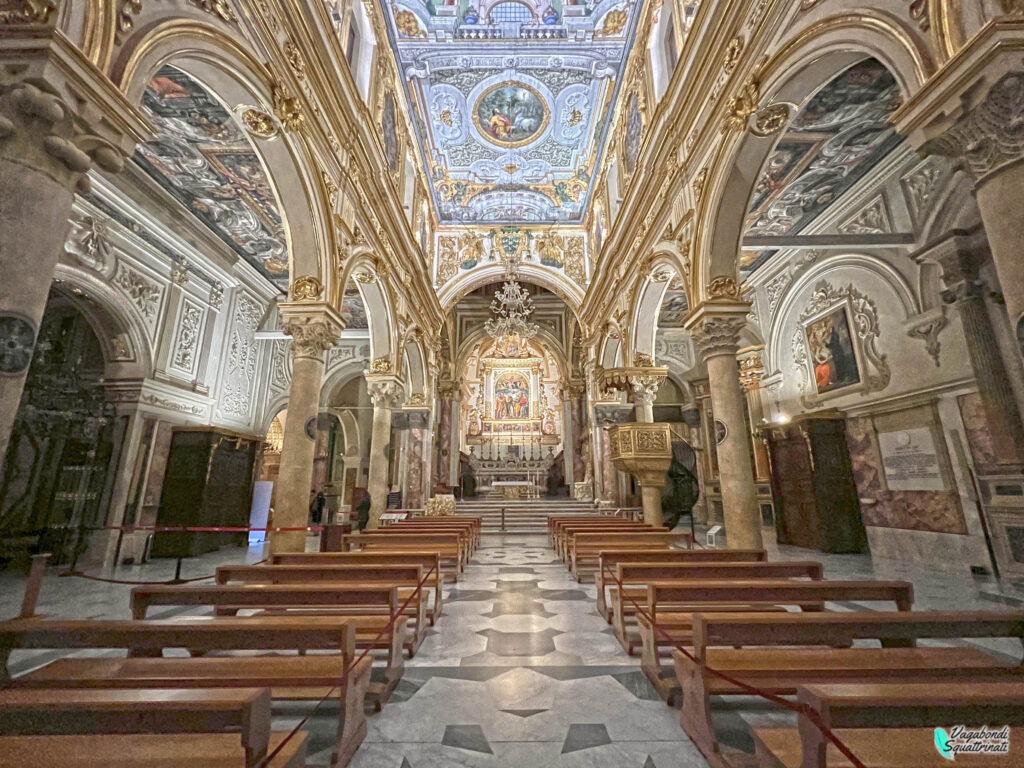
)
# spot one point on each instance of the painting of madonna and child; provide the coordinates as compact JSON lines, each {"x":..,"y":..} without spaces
{"x":511,"y":397}
{"x":832,"y":353}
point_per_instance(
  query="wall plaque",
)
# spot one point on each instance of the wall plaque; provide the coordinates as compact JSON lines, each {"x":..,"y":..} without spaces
{"x":911,"y":461}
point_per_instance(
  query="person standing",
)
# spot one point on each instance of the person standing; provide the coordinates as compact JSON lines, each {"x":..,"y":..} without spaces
{"x":316,"y":507}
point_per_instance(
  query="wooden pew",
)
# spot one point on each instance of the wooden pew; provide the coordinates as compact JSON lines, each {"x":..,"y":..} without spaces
{"x":370,"y":608}
{"x":51,"y":712}
{"x":464,"y":532}
{"x":704,"y":596}
{"x":635,"y":576}
{"x":405,"y":577}
{"x":565,"y":532}
{"x":288,"y":677}
{"x":428,"y":561}
{"x":556,"y":526}
{"x":609,"y":558}
{"x":585,"y":548}
{"x":447,"y":545}
{"x":893,"y":724}
{"x":778,"y":652}
{"x":471,"y":524}
{"x":152,"y":751}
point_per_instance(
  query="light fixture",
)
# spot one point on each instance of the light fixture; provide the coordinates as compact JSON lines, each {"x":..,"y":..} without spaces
{"x":512,"y":306}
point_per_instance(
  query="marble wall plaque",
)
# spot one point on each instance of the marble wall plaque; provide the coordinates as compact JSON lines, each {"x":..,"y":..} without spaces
{"x":910,"y":460}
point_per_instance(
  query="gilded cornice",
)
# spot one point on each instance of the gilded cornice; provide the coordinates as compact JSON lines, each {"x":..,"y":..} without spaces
{"x":338,"y":130}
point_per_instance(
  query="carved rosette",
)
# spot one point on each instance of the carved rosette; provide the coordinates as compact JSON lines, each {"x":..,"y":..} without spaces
{"x":716,"y":335}
{"x":991,"y":135}
{"x":311,"y":338}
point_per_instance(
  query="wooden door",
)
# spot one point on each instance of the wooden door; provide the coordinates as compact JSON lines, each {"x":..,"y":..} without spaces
{"x":793,"y":484}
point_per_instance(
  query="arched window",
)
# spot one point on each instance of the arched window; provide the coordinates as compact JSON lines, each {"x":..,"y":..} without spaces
{"x":510,"y":12}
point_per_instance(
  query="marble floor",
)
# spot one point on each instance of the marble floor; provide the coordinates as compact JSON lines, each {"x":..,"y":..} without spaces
{"x":520,"y":670}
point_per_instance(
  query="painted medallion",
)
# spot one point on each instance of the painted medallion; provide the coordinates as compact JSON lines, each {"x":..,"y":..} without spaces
{"x":511,"y":114}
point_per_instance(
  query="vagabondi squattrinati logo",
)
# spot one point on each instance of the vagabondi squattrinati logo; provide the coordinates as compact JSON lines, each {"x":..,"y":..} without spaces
{"x":962,"y":740}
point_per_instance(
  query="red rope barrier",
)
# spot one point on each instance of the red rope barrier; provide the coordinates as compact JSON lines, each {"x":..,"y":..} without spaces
{"x":801,"y":709}
{"x":127,"y":582}
{"x":344,"y":677}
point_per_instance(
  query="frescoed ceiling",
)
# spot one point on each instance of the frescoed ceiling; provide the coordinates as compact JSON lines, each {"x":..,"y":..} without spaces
{"x":674,"y":307}
{"x":204,"y":160}
{"x":837,"y":138}
{"x":511,"y":99}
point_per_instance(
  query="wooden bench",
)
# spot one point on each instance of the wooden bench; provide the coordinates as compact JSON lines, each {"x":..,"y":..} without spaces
{"x":792,"y":649}
{"x":288,"y":677}
{"x":609,"y":558}
{"x":152,"y":751}
{"x":447,"y":545}
{"x":556,"y":526}
{"x":405,"y":577}
{"x":428,"y":561}
{"x":565,"y":532}
{"x":584,"y":549}
{"x":556,"y":520}
{"x":740,"y":596}
{"x":635,"y":577}
{"x":148,"y":710}
{"x":464,"y":532}
{"x":470,"y":524}
{"x":369,"y":608}
{"x":893,"y":724}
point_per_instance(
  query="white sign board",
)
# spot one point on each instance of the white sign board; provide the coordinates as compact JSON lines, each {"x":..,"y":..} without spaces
{"x":713,"y":531}
{"x":910,"y":460}
{"x":389,"y":517}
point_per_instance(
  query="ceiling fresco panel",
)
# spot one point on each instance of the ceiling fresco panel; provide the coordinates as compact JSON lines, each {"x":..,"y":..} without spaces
{"x":832,"y":143}
{"x":202,"y":158}
{"x":510,"y":101}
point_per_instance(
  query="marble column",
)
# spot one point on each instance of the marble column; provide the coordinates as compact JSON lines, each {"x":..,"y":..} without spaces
{"x":58,"y":119}
{"x":569,"y":428}
{"x":715,"y":328}
{"x":609,"y":478}
{"x":385,"y":393}
{"x":442,"y":447}
{"x":961,"y":271}
{"x":751,"y":373}
{"x":314,"y":329}
{"x":981,"y":128}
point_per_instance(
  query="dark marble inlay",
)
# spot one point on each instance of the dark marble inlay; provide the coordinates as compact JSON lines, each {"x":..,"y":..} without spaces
{"x":470,"y":737}
{"x":517,"y":605}
{"x":518,"y":569}
{"x":407,"y":764}
{"x":649,"y":762}
{"x":585,"y":736}
{"x":637,"y":684}
{"x":523,"y":713}
{"x":520,"y":643}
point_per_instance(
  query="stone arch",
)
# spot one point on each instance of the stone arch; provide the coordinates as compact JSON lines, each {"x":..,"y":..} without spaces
{"x":338,"y":376}
{"x":797,"y":71}
{"x":548,"y":340}
{"x":361,"y":268}
{"x":414,"y":363}
{"x":230,"y":72}
{"x":470,"y":280}
{"x":662,"y":267}
{"x":350,"y":432}
{"x":121,"y":331}
{"x":871,"y":264}
{"x":611,"y":351}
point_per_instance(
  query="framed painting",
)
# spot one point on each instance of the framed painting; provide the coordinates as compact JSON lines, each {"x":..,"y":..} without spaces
{"x":389,"y":132}
{"x":832,"y":353}
{"x":511,"y":397}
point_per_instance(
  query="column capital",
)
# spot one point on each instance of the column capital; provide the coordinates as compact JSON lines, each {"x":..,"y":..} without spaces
{"x":751,"y":367}
{"x":58,"y":113}
{"x":385,"y":391}
{"x":970,"y":108}
{"x":314,"y":327}
{"x":640,"y":383}
{"x":715,"y":326}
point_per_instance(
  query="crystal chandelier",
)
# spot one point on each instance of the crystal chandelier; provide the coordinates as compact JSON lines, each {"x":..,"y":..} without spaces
{"x":512,"y":307}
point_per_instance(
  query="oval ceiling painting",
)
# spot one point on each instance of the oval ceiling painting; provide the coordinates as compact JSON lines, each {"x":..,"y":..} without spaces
{"x":511,"y":114}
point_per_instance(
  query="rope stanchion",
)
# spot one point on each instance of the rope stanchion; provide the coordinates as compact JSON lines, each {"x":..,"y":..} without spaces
{"x":800,"y":709}
{"x":344,"y":677}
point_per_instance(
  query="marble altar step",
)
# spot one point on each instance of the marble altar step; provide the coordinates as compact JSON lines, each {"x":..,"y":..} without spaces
{"x":522,"y":516}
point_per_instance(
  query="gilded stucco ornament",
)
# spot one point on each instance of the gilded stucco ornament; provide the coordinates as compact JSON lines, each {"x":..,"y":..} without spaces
{"x":699,"y":182}
{"x":287,"y":108}
{"x":296,"y":62}
{"x":718,"y":334}
{"x":771,"y":120}
{"x":306,"y":288}
{"x":257,"y":122}
{"x":381,"y":365}
{"x":27,"y":11}
{"x":742,"y":106}
{"x":724,"y":287}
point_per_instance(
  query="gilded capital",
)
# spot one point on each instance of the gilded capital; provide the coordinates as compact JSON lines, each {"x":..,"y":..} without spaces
{"x":751,"y":368}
